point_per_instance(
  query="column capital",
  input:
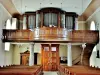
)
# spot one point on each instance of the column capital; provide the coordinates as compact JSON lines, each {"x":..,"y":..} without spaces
{"x":32,"y":43}
{"x":83,"y":45}
{"x":69,"y":44}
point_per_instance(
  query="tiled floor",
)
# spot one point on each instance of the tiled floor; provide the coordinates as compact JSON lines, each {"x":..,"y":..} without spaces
{"x":50,"y":73}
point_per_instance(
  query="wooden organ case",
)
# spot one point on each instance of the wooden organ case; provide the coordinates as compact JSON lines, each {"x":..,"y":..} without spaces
{"x":50,"y":17}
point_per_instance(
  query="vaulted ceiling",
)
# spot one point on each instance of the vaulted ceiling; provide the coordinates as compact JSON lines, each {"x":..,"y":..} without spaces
{"x":9,"y":6}
{"x":81,"y":7}
{"x":77,"y":6}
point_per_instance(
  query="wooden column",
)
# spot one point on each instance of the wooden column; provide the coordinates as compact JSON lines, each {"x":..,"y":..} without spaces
{"x":59,"y":20}
{"x":41,"y":15}
{"x":27,"y":21}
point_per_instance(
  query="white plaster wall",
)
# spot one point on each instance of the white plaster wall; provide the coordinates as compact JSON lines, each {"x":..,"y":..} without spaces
{"x":96,"y":18}
{"x":97,"y":63}
{"x":4,"y":15}
{"x":37,"y":49}
{"x":24,"y":47}
{"x":93,"y":59}
{"x":76,"y":49}
{"x":19,"y":48}
{"x":81,"y":25}
{"x":39,"y":58}
{"x":9,"y":56}
{"x":63,"y":50}
{"x":16,"y":55}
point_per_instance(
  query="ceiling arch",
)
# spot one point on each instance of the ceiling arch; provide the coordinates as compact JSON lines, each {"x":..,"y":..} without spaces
{"x":21,"y":6}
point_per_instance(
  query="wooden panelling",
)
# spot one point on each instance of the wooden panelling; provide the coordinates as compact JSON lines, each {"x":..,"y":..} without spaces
{"x":51,"y":34}
{"x":83,"y":36}
{"x":22,"y":70}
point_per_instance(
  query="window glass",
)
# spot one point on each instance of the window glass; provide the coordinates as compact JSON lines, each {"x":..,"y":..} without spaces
{"x":11,"y":24}
{"x":14,"y":23}
{"x":7,"y":46}
{"x":46,"y":48}
{"x":8,"y":24}
{"x":92,"y":26}
{"x":53,"y":49}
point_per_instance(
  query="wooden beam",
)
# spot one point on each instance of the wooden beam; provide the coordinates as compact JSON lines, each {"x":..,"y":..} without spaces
{"x":9,"y":6}
{"x":93,"y":6}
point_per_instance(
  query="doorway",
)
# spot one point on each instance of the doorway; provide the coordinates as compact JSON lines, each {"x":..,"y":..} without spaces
{"x":50,"y":56}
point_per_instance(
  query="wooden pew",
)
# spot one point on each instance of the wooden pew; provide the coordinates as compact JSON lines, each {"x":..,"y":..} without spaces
{"x":61,"y":69}
{"x":77,"y":70}
{"x":82,"y":70}
{"x":21,"y":70}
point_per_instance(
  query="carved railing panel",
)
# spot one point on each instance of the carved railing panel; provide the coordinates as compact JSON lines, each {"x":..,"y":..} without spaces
{"x":81,"y":36}
{"x":84,"y":36}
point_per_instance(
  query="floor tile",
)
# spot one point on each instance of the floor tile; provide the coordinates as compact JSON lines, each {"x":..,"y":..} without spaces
{"x":50,"y":73}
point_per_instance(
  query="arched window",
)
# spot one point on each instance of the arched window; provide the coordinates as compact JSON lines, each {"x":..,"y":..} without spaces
{"x":8,"y":24}
{"x":11,"y":23}
{"x":7,"y":46}
{"x":14,"y":23}
{"x":92,"y":26}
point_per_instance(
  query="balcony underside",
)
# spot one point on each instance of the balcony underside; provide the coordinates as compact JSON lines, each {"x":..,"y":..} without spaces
{"x":48,"y":41}
{"x":51,"y":36}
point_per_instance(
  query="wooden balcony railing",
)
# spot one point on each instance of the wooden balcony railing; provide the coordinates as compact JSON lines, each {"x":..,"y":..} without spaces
{"x":51,"y":34}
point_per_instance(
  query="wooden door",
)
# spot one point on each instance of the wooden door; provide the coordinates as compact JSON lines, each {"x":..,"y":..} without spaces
{"x":50,"y":57}
{"x":55,"y":56}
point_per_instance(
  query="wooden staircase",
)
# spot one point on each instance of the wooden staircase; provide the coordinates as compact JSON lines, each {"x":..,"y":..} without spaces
{"x":86,"y":56}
